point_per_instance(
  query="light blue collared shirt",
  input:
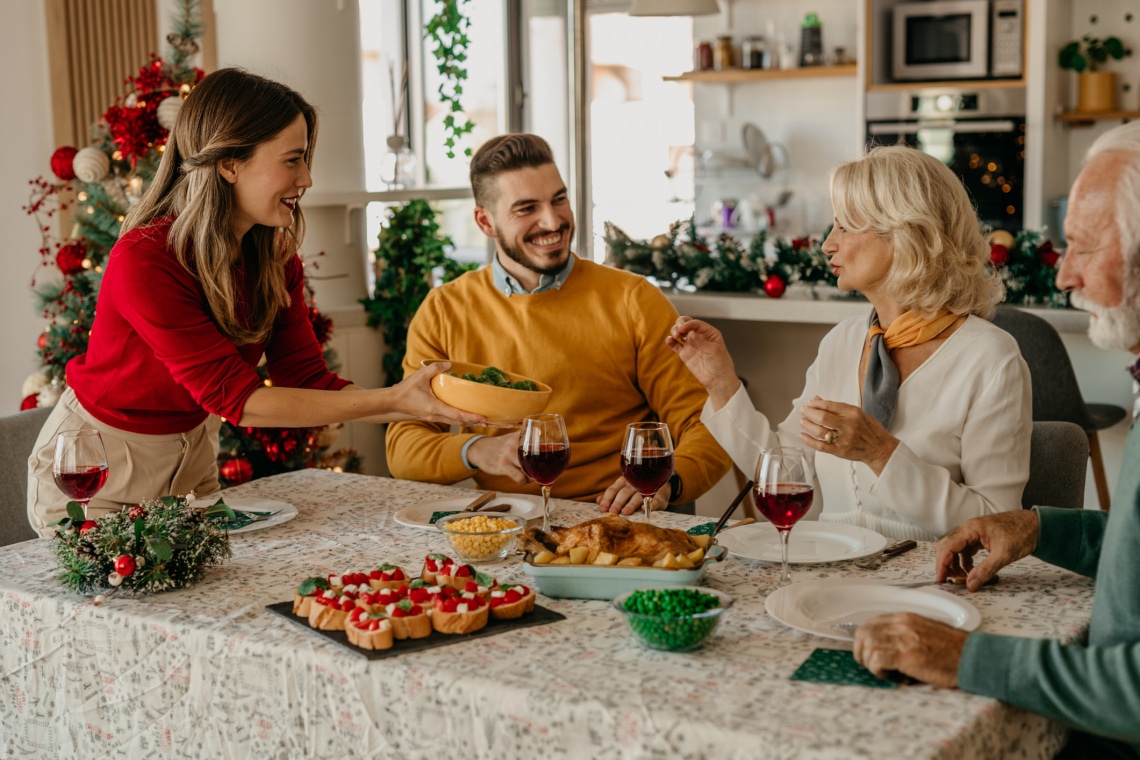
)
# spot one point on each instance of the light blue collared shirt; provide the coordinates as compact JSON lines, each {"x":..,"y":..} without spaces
{"x":509,"y":286}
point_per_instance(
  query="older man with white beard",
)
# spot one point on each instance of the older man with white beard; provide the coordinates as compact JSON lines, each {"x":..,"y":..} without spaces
{"x":1092,"y":687}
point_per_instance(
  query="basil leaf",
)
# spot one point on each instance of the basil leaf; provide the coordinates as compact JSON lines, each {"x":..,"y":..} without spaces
{"x":310,"y":585}
{"x":483,"y":579}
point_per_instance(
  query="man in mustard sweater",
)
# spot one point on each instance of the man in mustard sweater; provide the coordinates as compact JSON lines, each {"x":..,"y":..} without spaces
{"x":1093,"y":687}
{"x":595,"y":334}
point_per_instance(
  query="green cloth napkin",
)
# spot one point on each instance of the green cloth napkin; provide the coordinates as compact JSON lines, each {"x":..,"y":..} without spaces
{"x":838,"y":667}
{"x":436,"y":516}
{"x":704,"y":529}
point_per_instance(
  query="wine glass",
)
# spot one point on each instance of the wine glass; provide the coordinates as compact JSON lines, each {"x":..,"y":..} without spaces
{"x":544,"y":452}
{"x":647,"y":458}
{"x":783,"y":493}
{"x":80,"y":466}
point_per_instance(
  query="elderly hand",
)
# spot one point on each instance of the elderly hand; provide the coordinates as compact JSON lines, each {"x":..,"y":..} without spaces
{"x":498,"y":455}
{"x":847,"y":432}
{"x":701,"y":347}
{"x":917,"y":646}
{"x":1007,"y":537}
{"x":623,"y":499}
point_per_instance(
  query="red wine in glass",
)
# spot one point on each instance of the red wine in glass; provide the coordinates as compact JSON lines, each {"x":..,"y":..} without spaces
{"x":546,"y":463}
{"x":82,"y":483}
{"x":649,"y":471}
{"x":785,"y":505}
{"x":783,"y":493}
{"x":544,"y":452}
{"x":647,"y":459}
{"x":80,"y":465}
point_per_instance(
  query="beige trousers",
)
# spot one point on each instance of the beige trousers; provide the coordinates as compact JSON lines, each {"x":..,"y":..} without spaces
{"x":141,"y":466}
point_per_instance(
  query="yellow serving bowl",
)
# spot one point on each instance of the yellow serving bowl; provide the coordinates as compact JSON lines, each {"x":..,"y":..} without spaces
{"x":501,"y":406}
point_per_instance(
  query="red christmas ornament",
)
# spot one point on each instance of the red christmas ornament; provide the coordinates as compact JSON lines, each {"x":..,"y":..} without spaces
{"x":1048,"y":256}
{"x":29,"y":402}
{"x":70,"y":258}
{"x":136,"y":512}
{"x":124,"y":565}
{"x":999,"y":254}
{"x":87,"y":525}
{"x":775,"y":286}
{"x":237,"y":471}
{"x":61,"y":162}
{"x":798,"y":244}
{"x":42,"y":341}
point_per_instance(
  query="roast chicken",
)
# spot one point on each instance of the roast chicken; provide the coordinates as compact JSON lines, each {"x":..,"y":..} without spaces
{"x":612,"y":534}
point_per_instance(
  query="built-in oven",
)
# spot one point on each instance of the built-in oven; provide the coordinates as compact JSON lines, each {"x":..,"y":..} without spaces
{"x":979,"y":134}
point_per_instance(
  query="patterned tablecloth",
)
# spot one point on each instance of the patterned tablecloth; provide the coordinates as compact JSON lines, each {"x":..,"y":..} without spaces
{"x":207,"y":672}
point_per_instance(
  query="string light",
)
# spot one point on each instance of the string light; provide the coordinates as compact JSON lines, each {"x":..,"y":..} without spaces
{"x":82,"y":196}
{"x":87,"y":263}
{"x":117,"y":155}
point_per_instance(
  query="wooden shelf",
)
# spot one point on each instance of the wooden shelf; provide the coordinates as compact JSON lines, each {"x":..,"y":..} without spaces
{"x":950,"y":84}
{"x":1088,"y":118}
{"x":740,"y":76}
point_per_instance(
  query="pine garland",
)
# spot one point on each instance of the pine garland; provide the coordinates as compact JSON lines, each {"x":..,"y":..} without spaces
{"x":169,"y":546}
{"x":1029,"y":270}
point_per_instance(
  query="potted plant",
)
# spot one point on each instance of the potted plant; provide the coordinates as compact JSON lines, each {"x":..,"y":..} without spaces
{"x":1096,"y":89}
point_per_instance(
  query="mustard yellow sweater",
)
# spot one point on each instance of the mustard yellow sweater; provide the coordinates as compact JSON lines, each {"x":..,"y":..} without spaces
{"x":599,"y":342}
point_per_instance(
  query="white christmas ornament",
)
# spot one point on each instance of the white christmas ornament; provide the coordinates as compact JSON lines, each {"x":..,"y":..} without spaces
{"x":49,"y":394}
{"x":91,"y":164}
{"x":34,"y":383}
{"x":168,"y":111}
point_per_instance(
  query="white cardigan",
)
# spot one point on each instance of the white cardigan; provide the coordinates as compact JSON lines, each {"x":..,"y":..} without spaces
{"x":963,"y":419}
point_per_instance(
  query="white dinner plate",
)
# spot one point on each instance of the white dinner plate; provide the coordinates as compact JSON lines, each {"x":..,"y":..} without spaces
{"x":419,"y":515}
{"x":283,"y":512}
{"x":817,"y":607}
{"x":811,"y":542}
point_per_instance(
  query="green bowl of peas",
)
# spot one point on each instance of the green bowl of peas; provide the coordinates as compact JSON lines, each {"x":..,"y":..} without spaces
{"x":677,"y":619}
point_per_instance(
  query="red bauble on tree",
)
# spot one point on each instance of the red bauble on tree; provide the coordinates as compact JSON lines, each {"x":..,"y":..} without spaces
{"x":30,"y":402}
{"x":999,"y":254}
{"x":70,"y":258}
{"x":1048,"y":256}
{"x":61,"y":163}
{"x":237,"y":471}
{"x":775,"y":286}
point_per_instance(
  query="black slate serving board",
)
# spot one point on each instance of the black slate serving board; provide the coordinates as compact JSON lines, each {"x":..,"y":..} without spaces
{"x":540,"y":616}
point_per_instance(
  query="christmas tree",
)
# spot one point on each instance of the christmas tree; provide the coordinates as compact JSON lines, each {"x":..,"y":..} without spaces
{"x":99,"y":184}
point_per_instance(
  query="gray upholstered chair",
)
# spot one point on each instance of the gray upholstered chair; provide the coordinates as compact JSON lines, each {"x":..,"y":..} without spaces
{"x":18,"y":434}
{"x":1058,"y":460}
{"x":1056,"y":395}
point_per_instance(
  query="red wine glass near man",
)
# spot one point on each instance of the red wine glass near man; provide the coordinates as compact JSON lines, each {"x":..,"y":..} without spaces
{"x":647,"y":458}
{"x":80,"y":467}
{"x":783,"y":493}
{"x":544,"y":452}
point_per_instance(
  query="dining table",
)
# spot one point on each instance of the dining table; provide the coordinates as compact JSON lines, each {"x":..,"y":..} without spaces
{"x":207,"y":671}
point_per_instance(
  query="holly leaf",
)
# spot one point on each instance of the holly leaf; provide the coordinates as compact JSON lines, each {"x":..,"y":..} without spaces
{"x":139,"y":525}
{"x":219,"y":510}
{"x":75,"y":512}
{"x":159,"y":547}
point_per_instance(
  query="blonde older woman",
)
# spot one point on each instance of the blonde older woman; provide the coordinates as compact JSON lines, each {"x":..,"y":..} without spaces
{"x":919,"y":417}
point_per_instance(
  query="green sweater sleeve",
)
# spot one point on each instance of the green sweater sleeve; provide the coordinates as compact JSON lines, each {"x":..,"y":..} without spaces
{"x":1071,"y":538}
{"x":1094,"y":689}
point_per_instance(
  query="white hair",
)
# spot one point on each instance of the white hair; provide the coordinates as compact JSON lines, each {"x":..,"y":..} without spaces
{"x":1124,"y":139}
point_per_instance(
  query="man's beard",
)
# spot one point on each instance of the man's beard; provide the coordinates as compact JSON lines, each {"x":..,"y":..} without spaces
{"x":1115,"y":327}
{"x":516,"y":255}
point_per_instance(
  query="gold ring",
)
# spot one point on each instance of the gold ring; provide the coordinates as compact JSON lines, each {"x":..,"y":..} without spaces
{"x":832,"y":436}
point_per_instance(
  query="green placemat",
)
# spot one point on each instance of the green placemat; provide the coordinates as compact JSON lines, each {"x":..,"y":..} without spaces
{"x":436,"y":516}
{"x":704,"y":529}
{"x":838,"y":667}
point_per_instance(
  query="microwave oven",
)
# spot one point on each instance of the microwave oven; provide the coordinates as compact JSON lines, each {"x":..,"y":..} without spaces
{"x":956,"y":39}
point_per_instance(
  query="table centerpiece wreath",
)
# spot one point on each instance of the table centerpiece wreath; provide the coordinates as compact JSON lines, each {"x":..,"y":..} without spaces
{"x":158,"y":545}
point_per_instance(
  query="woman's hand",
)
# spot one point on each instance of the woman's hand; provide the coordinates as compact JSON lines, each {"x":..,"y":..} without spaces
{"x":412,"y":399}
{"x":701,"y":347}
{"x":847,"y":432}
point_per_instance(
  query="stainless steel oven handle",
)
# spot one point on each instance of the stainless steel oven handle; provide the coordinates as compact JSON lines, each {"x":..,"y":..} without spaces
{"x":964,"y":127}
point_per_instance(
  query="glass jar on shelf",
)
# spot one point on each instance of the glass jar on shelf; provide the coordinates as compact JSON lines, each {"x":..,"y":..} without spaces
{"x":753,"y":54}
{"x":703,"y":56}
{"x":722,"y":53}
{"x":398,"y":164}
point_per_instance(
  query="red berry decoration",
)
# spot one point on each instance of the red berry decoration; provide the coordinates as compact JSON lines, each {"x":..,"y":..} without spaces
{"x":124,"y":565}
{"x":88,"y":525}
{"x":1048,"y":256}
{"x":775,"y":286}
{"x":237,"y":471}
{"x":136,"y":512}
{"x":999,"y":254}
{"x":61,"y":163}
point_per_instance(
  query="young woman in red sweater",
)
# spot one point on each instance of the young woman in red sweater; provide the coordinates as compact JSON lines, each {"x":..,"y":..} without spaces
{"x":204,"y":281}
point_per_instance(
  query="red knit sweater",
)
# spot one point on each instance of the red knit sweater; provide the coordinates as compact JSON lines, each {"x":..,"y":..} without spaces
{"x":156,"y":362}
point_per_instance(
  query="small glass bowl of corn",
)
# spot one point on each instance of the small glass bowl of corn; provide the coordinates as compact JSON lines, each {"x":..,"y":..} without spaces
{"x":481,"y":538}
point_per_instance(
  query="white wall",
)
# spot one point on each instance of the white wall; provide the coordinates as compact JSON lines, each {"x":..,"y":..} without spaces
{"x":26,"y":132}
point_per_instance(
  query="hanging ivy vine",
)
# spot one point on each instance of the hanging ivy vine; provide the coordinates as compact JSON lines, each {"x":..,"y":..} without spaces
{"x":447,"y":30}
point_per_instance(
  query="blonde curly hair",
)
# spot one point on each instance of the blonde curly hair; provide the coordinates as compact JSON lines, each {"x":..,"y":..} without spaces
{"x":915,"y":203}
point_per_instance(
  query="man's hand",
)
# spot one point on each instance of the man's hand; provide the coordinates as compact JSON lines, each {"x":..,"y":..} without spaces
{"x":498,"y":455}
{"x":623,"y":499}
{"x":912,"y":644}
{"x":1007,"y":537}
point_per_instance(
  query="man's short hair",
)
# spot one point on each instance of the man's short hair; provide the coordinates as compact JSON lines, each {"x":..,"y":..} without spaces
{"x":505,"y":153}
